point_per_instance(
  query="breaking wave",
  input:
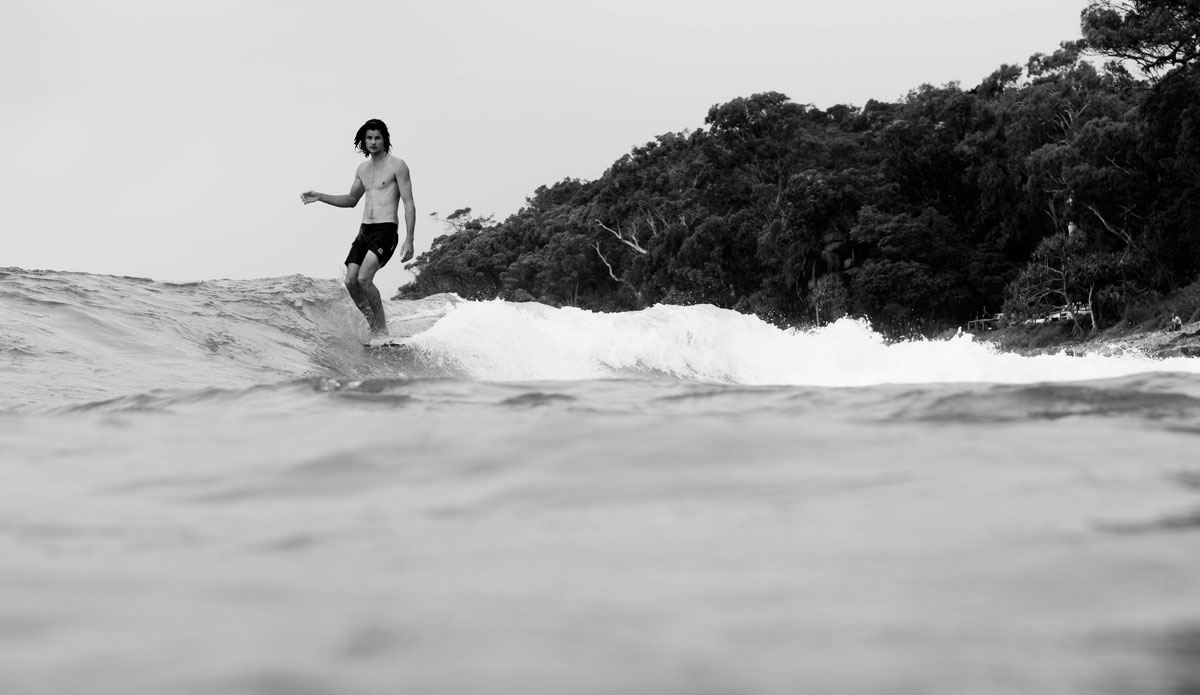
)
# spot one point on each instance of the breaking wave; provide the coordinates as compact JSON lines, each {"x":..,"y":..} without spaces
{"x":72,"y":338}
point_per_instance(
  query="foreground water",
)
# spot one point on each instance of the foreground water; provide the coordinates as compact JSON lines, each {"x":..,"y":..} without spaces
{"x":213,"y":488}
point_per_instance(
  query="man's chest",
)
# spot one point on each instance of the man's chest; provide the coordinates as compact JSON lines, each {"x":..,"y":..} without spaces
{"x":376,"y":180}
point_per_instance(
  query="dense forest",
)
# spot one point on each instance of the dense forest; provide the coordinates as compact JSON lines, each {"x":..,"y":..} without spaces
{"x":1071,"y":180}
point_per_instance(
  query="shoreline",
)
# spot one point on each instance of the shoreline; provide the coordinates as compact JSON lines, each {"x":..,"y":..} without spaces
{"x":1146,"y":329}
{"x":1157,"y":343}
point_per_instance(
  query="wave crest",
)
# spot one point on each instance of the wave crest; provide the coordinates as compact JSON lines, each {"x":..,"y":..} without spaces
{"x":72,"y":338}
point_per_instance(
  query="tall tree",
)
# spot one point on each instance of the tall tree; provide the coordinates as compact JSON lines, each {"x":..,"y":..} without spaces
{"x":1158,"y":35}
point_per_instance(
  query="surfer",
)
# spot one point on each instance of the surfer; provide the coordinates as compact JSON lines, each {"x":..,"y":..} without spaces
{"x":385,"y":181}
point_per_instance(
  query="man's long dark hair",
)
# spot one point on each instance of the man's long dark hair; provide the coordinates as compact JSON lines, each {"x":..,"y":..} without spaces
{"x":360,"y":138}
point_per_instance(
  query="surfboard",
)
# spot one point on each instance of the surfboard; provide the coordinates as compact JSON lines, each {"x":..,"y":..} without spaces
{"x":411,"y":319}
{"x":388,"y":342}
{"x":403,"y":328}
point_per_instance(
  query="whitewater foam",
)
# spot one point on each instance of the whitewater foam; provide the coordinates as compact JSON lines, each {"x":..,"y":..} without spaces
{"x":504,"y":341}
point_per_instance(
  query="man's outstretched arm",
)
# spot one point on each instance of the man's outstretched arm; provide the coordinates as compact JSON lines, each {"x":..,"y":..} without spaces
{"x":338,"y":201}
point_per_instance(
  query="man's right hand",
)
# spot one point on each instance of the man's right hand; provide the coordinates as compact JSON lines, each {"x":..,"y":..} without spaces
{"x":310,"y":197}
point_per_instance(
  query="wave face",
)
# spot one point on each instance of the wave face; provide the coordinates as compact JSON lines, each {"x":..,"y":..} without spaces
{"x":71,"y":338}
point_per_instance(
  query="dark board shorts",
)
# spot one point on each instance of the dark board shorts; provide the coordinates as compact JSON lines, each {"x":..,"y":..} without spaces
{"x":380,"y":238}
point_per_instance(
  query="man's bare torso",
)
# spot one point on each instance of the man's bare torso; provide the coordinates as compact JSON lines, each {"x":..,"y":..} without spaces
{"x":381,"y":188}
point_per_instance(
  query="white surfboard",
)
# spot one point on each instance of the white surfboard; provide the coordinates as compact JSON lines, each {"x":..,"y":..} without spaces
{"x":403,"y":328}
{"x":387,"y":342}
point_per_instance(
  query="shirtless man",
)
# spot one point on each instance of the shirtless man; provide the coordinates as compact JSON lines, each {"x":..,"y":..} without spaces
{"x":386,"y":182}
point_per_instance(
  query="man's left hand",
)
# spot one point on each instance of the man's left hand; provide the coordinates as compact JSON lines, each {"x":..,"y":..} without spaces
{"x":406,"y":251}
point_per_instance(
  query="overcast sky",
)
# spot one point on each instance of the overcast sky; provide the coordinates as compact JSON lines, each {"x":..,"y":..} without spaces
{"x":172,"y":140}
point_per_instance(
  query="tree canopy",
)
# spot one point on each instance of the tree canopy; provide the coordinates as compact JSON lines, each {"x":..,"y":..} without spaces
{"x":1055,"y":182}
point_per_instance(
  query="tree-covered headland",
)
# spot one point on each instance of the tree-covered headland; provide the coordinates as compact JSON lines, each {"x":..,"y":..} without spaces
{"x":1073,"y":179}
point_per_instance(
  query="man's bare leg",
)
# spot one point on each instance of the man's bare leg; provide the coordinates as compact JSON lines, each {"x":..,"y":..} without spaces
{"x":360,"y":283}
{"x":356,"y":293}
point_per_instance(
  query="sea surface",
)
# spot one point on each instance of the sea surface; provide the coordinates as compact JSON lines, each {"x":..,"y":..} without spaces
{"x":215,"y":489}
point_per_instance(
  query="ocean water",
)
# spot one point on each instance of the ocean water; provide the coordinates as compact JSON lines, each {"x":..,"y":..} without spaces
{"x":214,"y":488}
